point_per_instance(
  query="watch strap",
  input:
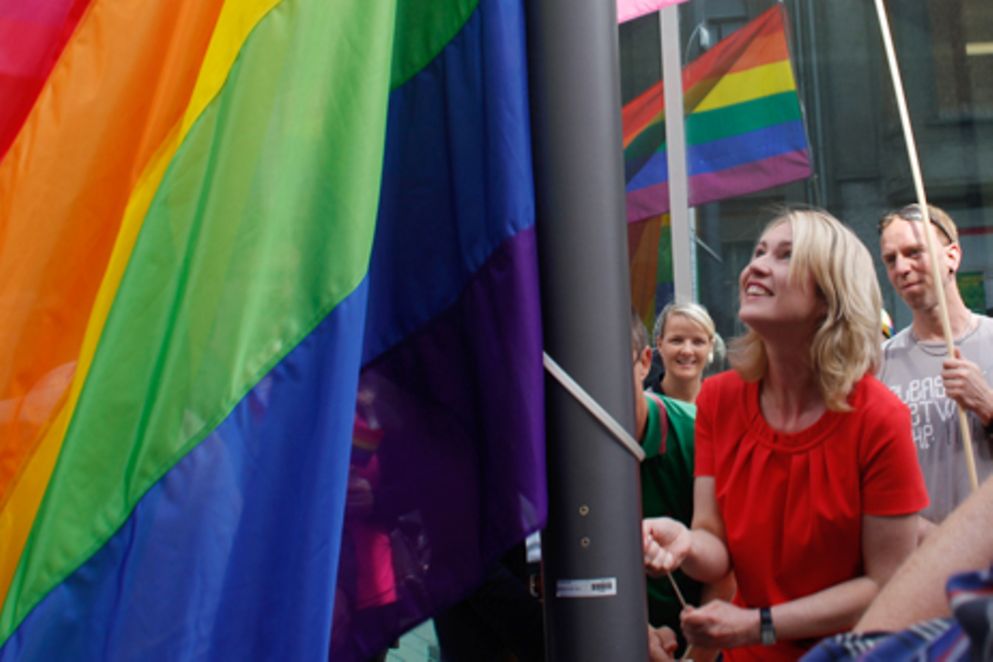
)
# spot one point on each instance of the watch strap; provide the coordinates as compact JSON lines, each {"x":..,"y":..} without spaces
{"x":766,"y":630}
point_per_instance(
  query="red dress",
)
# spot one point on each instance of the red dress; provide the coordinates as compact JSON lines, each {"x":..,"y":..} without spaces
{"x":792,"y":504}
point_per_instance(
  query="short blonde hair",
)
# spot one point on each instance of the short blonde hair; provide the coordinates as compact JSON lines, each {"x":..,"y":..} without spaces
{"x":694,"y":312}
{"x":846,"y":344}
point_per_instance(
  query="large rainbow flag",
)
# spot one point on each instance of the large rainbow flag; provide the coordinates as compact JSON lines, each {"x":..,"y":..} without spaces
{"x":744,"y":125}
{"x":268,"y":302}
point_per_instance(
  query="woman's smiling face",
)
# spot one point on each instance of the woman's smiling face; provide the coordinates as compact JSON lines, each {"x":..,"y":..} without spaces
{"x":767,"y":294}
{"x":685,"y":347}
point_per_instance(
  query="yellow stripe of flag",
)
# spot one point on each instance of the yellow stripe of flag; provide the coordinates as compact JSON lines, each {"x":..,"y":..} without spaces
{"x":754,"y":83}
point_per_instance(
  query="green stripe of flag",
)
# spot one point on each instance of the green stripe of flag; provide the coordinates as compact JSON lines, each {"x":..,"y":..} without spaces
{"x":423,"y":29}
{"x":741,"y":118}
{"x":711,"y":125}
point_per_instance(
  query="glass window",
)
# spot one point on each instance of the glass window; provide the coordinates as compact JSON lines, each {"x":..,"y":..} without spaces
{"x":858,"y":166}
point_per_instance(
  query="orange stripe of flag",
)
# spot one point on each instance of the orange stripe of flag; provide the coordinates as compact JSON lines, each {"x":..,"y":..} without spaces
{"x":64,"y":185}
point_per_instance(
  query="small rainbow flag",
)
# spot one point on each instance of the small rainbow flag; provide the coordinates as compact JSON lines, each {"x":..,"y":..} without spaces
{"x":269,"y":316}
{"x":744,"y":124}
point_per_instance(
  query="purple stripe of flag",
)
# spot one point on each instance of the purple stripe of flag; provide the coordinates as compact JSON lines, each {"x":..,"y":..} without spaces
{"x":456,"y":477}
{"x":728,"y":183}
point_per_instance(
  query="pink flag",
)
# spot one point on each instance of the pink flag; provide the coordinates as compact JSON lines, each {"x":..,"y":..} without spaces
{"x":629,"y":9}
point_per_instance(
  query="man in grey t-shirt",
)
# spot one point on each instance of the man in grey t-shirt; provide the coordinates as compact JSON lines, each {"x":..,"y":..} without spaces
{"x":916,"y":366}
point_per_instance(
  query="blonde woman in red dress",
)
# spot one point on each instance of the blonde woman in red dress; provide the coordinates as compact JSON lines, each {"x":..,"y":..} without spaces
{"x":807,"y":484}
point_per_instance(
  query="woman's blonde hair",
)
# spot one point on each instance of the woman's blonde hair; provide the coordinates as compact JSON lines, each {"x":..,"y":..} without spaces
{"x":846,"y":344}
{"x":691,"y":311}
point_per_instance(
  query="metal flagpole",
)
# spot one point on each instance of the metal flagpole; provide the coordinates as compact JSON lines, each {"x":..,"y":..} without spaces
{"x":593,"y":576}
{"x":675,"y":139}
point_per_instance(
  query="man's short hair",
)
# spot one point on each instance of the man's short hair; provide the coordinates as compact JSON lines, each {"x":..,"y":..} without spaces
{"x":939,"y":218}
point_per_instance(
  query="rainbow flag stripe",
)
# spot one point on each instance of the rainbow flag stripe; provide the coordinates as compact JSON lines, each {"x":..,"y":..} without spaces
{"x":650,"y":266}
{"x":228,"y":217}
{"x":32,"y":35}
{"x":744,"y":124}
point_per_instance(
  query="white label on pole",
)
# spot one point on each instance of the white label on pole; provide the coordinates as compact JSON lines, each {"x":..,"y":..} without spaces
{"x":533,"y":547}
{"x":586,"y":588}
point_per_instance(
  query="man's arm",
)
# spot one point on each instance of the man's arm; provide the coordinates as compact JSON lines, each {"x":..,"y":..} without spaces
{"x":925,"y":527}
{"x":964,"y":541}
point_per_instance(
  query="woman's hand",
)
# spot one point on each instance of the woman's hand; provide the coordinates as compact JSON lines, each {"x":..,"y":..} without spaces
{"x":662,"y":644}
{"x":666,"y":544}
{"x":720,"y":624}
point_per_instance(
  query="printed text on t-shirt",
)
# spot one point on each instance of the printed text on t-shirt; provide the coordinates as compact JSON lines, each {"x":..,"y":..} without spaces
{"x":928,"y":405}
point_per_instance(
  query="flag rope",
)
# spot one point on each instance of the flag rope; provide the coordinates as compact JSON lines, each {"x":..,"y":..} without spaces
{"x":599,"y":413}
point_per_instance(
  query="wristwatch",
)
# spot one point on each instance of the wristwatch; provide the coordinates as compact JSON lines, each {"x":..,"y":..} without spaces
{"x":766,"y":630}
